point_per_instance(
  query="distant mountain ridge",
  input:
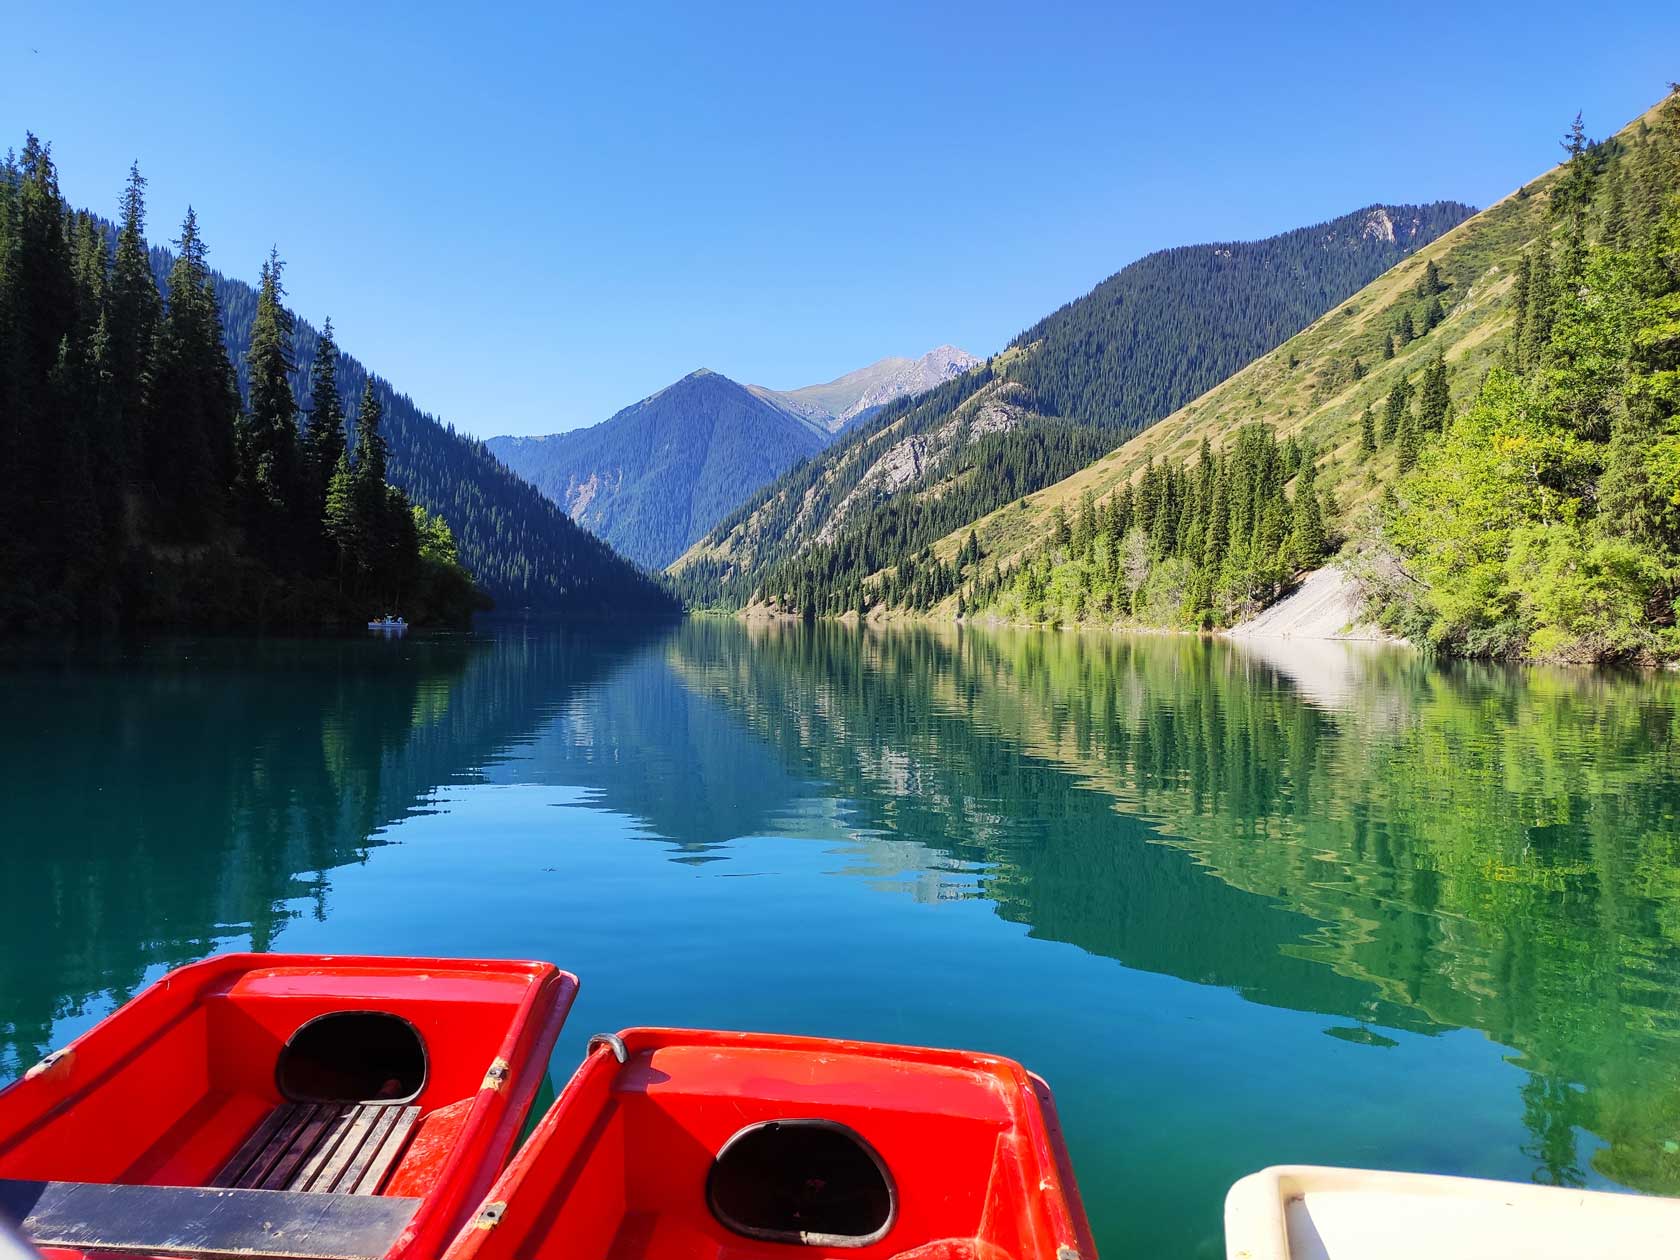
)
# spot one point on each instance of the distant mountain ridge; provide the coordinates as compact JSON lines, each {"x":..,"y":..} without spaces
{"x":657,"y":475}
{"x":854,"y":397}
{"x":1071,"y":387}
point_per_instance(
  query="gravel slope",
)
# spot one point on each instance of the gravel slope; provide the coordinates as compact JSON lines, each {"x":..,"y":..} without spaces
{"x":1325,"y":606}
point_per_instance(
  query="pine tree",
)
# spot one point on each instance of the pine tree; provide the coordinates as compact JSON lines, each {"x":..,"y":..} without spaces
{"x":1537,"y":317}
{"x":1084,"y":527}
{"x":369,"y":504}
{"x":194,"y":405}
{"x":1615,"y":228}
{"x":135,"y":310}
{"x":1572,"y":193}
{"x":372,"y":452}
{"x":323,"y":440}
{"x":1367,"y":432}
{"x":1395,"y":408}
{"x":38,"y":385}
{"x":1387,"y":346}
{"x":339,"y":518}
{"x":1435,"y":398}
{"x":1407,"y":443}
{"x":1306,"y":537}
{"x":1519,"y":303}
{"x":1404,"y":333}
{"x":1219,"y":520}
{"x":269,"y":455}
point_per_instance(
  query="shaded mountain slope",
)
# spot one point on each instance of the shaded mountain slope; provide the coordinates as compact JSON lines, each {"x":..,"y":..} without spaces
{"x":521,"y":548}
{"x":659,"y":473}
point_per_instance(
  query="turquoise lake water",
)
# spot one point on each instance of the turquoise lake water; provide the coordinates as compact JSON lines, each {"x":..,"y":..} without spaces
{"x":1241,"y":905}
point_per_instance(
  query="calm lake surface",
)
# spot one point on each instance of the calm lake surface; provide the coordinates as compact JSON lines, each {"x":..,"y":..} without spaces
{"x":1242,"y":905}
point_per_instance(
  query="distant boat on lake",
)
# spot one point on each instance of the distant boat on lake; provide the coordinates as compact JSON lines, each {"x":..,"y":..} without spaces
{"x":388,"y":624}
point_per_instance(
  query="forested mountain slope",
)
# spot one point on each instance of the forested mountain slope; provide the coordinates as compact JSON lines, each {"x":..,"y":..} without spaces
{"x":656,"y":476}
{"x":1068,"y":389}
{"x":1492,"y":421}
{"x":521,"y":549}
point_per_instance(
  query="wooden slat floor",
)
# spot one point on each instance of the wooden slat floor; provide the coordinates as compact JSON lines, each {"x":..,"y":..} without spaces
{"x":321,"y":1148}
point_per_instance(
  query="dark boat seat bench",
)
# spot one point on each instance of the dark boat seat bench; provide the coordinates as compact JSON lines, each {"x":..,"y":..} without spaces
{"x":303,"y":1186}
{"x":204,"y":1220}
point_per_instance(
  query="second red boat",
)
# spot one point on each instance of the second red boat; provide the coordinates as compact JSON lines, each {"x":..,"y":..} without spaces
{"x":673,"y":1144}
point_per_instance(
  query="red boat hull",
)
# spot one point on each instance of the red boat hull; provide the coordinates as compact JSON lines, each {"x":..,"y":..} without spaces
{"x":635,"y":1159}
{"x":168,"y":1089}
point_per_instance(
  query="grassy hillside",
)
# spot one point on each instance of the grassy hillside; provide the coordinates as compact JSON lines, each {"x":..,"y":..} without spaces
{"x":1312,"y":392}
{"x":1108,"y":364}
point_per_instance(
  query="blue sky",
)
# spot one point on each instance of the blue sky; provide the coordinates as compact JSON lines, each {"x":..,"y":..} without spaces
{"x":530,"y":218}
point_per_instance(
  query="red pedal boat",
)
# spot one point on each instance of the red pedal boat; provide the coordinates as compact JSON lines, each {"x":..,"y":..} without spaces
{"x":672,"y":1144}
{"x":309,"y":1107}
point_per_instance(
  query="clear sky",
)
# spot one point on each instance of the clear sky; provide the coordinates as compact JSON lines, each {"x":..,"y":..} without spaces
{"x":530,"y":218}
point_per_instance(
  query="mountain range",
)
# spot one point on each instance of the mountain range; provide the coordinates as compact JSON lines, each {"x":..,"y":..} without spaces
{"x":657,"y":475}
{"x":1067,"y":390}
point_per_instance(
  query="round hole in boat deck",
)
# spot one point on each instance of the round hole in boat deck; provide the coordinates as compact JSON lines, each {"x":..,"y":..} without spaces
{"x":813,"y":1182}
{"x":352,"y":1056}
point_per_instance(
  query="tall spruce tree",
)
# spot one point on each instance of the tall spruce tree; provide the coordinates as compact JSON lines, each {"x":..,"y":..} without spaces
{"x":368,"y":497}
{"x":1399,"y":398}
{"x":322,"y":442}
{"x":42,"y":292}
{"x":270,"y":461}
{"x":1538,"y":312}
{"x":339,"y":523}
{"x":1306,"y":536}
{"x":1407,"y":443}
{"x":135,"y":309}
{"x":1517,"y":342}
{"x":194,"y":406}
{"x":1434,"y":398}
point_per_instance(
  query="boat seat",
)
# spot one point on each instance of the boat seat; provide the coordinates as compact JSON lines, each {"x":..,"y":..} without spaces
{"x":321,"y":1148}
{"x":205,"y":1221}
